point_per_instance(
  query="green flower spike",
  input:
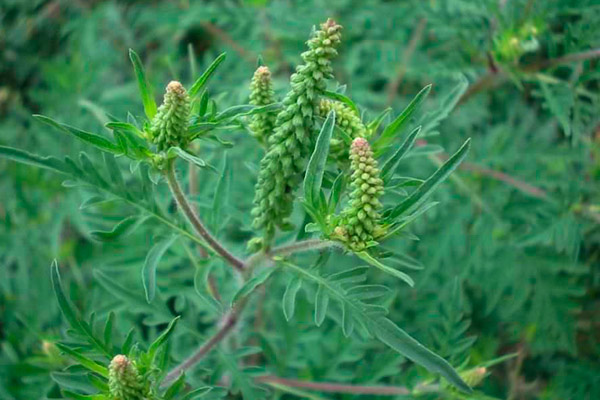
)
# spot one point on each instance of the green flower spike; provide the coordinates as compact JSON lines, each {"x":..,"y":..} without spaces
{"x":359,"y":224}
{"x":347,"y":120}
{"x":262,"y":94}
{"x":281,"y":168}
{"x":170,"y":124}
{"x":124,"y":380}
{"x":474,"y":376}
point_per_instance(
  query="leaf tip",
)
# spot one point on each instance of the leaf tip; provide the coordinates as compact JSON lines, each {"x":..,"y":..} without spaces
{"x":54,"y":272}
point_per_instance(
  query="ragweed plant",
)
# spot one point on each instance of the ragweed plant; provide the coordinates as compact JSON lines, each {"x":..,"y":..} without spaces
{"x":375,"y":203}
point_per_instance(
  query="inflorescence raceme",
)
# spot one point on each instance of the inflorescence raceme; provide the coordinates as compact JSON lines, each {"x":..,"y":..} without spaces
{"x":262,"y":94}
{"x":293,"y":138}
{"x":169,"y":126}
{"x":359,"y":224}
{"x":124,"y":380}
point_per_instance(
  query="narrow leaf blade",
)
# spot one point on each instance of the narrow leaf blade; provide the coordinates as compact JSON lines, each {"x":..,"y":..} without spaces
{"x":203,"y":80}
{"x":344,"y":99}
{"x":151,"y":263}
{"x":122,"y":229}
{"x":96,"y":140}
{"x":425,"y":190}
{"x":390,"y":166}
{"x":84,"y":361}
{"x":162,"y":338}
{"x":390,"y":131}
{"x":316,"y":166}
{"x":390,"y":334}
{"x":70,"y":313}
{"x":24,"y":157}
{"x":177,"y":151}
{"x":289,"y":298}
{"x":252,"y":284}
{"x":347,"y":321}
{"x":143,"y":85}
{"x":321,"y":304}
{"x":388,"y":270}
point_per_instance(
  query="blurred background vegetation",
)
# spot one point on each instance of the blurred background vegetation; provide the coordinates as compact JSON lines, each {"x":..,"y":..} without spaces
{"x":511,"y":255}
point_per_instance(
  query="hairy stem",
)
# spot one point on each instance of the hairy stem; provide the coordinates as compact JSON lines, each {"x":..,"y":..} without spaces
{"x":226,"y":325}
{"x":305,"y":245}
{"x":228,"y":40}
{"x":195,"y":220}
{"x":567,"y":58}
{"x":415,"y":38}
{"x":497,"y":175}
{"x":193,"y":191}
{"x":296,"y":247}
{"x":333,"y":387}
{"x":496,"y":78}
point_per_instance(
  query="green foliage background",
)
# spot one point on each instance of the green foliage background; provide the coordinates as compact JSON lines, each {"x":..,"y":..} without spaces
{"x":511,"y":254}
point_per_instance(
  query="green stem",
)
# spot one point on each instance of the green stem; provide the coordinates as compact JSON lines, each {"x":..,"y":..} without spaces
{"x":296,"y":247}
{"x":195,"y":220}
{"x":305,"y":245}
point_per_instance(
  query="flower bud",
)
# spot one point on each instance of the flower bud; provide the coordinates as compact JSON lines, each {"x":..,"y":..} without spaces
{"x":262,"y":94}
{"x":474,"y":376}
{"x":50,"y":350}
{"x":169,"y":127}
{"x":124,"y":380}
{"x":359,"y":222}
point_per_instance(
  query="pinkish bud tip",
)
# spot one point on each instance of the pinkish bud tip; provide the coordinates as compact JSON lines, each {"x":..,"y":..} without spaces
{"x":262,"y":73}
{"x":330,"y":23}
{"x":175,"y":86}
{"x":119,"y":361}
{"x":360,"y":143}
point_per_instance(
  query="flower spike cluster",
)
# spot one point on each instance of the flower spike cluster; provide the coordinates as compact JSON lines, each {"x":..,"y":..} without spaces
{"x":170,"y":124}
{"x":124,"y":380}
{"x":262,"y":94}
{"x":359,"y":224}
{"x":289,"y":146}
{"x":346,"y":119}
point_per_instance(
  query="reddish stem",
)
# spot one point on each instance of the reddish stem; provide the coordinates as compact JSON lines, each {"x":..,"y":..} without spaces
{"x":332,"y":387}
{"x":227,"y":324}
{"x":499,"y":176}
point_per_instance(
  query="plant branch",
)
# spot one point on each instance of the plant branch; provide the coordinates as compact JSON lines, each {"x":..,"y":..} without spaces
{"x":195,"y":220}
{"x":305,"y":245}
{"x":514,"y":373}
{"x":230,"y":319}
{"x":193,"y":191}
{"x":497,"y":175}
{"x":227,"y":323}
{"x":495,"y":78}
{"x":407,"y":55}
{"x":296,"y":247}
{"x":332,"y":387}
{"x":568,"y":58}
{"x":509,"y":180}
{"x":227,"y":39}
